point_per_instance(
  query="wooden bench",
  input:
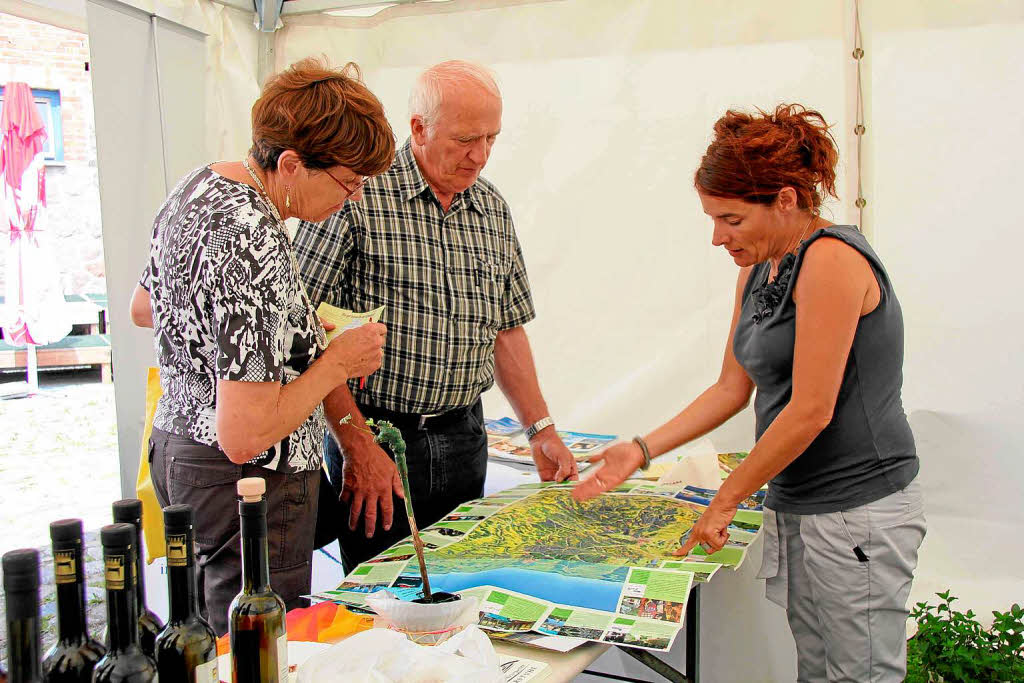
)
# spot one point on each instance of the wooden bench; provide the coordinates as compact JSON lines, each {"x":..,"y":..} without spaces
{"x":88,"y":312}
{"x":76,"y":349}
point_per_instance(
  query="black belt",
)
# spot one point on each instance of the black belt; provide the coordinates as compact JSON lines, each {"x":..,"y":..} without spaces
{"x":417,"y":422}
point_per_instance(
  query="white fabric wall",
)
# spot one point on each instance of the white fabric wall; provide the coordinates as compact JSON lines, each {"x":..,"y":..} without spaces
{"x":207,"y":86}
{"x":947,"y":131}
{"x":608,"y":106}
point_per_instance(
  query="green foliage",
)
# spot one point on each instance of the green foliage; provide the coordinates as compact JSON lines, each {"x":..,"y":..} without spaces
{"x":955,"y":646}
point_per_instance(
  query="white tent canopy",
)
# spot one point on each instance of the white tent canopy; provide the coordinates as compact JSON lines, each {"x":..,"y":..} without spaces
{"x":608,"y":107}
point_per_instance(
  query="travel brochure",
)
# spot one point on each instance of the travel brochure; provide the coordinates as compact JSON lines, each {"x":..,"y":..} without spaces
{"x":544,"y":564}
{"x":344,"y":319}
{"x":507,"y":442}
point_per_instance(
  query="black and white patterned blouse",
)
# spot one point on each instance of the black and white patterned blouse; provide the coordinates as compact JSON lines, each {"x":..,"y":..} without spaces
{"x":227,"y":305}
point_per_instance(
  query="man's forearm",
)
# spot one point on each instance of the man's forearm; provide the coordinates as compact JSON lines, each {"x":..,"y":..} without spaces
{"x":517,"y":376}
{"x":354,"y":434}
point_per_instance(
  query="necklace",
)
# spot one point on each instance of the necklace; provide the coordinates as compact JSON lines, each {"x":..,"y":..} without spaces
{"x":311,"y":316}
{"x":800,"y":239}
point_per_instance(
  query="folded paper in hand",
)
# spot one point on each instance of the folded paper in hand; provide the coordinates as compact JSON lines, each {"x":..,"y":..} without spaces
{"x":344,"y":319}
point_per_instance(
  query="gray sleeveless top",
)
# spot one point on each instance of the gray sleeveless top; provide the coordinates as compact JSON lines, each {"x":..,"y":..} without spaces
{"x":867,"y":450}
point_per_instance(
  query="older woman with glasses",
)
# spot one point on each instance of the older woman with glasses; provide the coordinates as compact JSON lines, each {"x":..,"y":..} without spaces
{"x":245,"y":365}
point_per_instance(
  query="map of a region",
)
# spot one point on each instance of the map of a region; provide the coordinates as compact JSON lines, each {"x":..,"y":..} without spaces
{"x":611,"y":529}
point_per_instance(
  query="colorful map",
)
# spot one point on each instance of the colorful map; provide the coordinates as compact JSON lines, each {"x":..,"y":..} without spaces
{"x":539,"y":560}
{"x":610,"y":529}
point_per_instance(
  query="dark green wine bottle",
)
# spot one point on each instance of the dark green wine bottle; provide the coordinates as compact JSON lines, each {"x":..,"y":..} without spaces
{"x":129,"y":511}
{"x":256,"y":620}
{"x":124,"y":662}
{"x":186,"y":650}
{"x":74,"y":655}
{"x":21,"y":594}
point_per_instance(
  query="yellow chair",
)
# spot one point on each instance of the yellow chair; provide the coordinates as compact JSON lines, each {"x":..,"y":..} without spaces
{"x":152,"y":513}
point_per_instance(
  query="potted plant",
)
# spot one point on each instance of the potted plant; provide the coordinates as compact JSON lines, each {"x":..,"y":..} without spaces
{"x":953,"y":646}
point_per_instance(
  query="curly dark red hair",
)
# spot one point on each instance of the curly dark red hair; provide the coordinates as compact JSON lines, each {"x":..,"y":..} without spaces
{"x":754,"y":156}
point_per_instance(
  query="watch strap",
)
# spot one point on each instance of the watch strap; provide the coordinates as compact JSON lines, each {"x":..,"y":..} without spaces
{"x":540,"y":424}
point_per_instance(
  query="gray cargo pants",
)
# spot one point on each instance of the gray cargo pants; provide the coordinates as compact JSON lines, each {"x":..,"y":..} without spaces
{"x":844,"y":579}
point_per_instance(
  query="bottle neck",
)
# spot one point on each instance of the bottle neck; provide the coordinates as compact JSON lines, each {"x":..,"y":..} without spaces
{"x":70,"y":588}
{"x":140,"y":582}
{"x":255,"y":560}
{"x":255,"y":564}
{"x":181,"y":590}
{"x":71,"y":624}
{"x":23,"y":647}
{"x":123,"y":609}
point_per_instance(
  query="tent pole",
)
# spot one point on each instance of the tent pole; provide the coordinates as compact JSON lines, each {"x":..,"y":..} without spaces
{"x":32,"y":370}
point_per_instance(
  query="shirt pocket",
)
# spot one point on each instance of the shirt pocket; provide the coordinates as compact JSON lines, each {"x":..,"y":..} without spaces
{"x":489,"y":288}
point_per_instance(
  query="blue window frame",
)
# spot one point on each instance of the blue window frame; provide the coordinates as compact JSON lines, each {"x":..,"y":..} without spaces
{"x":48,"y":103}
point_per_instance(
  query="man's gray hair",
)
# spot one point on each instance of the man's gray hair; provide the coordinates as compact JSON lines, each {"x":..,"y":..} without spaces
{"x":428,"y":91}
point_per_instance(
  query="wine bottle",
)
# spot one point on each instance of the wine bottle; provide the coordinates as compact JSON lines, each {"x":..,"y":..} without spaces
{"x":129,"y":511}
{"x":74,"y":655}
{"x":124,"y":662}
{"x":256,"y":619}
{"x":186,"y":650}
{"x":21,"y":593}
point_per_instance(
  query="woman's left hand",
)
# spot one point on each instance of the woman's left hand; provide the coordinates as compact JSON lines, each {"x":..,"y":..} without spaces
{"x":711,"y":531}
{"x":327,"y":326}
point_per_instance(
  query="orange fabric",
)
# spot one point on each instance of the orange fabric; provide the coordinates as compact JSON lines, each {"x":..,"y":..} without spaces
{"x":345,"y":624}
{"x":223,"y":645}
{"x":324,"y":622}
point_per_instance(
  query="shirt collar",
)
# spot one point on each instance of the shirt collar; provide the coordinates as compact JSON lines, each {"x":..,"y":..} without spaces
{"x":414,"y":184}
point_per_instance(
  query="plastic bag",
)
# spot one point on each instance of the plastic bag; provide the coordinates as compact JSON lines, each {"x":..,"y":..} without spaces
{"x":384,"y":656}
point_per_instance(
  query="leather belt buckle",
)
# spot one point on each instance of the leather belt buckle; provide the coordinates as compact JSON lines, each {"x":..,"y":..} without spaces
{"x":422,"y":424}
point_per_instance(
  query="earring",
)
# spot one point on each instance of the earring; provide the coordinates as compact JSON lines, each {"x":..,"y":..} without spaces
{"x":288,"y":199}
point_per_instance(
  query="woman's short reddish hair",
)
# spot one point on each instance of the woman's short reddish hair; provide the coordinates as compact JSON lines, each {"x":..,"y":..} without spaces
{"x":326,"y":116}
{"x":754,"y":156}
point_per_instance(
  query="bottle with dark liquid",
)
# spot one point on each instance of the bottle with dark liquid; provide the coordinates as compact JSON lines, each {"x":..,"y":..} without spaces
{"x":256,"y":620}
{"x":129,"y":511}
{"x":21,"y":593}
{"x":186,"y":650}
{"x":124,"y":662}
{"x":74,"y":655}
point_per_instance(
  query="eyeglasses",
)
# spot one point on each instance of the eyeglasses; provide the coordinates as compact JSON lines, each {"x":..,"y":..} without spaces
{"x":348,"y":190}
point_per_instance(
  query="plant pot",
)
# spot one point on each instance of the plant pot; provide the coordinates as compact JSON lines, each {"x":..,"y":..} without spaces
{"x":438,"y":598}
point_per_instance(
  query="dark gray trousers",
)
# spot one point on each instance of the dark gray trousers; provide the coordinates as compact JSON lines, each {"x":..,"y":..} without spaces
{"x":187,"y":472}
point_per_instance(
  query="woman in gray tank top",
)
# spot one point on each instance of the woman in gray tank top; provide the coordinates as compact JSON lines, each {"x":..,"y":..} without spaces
{"x":818,"y":331}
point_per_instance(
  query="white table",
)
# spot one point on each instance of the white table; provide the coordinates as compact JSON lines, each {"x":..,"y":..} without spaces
{"x":565,"y":666}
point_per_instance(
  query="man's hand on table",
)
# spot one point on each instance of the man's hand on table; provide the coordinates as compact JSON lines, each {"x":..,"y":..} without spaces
{"x":554,"y":461}
{"x":370,"y":478}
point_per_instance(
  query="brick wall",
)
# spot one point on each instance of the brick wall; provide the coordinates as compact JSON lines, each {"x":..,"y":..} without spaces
{"x":54,"y":59}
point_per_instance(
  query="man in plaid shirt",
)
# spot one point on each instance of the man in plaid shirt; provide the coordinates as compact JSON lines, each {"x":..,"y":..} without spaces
{"x":435,"y":243}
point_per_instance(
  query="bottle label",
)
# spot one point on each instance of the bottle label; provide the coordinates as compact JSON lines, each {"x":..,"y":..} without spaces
{"x":113,"y":572}
{"x":64,"y":570}
{"x":282,"y":658}
{"x":207,"y":673}
{"x":177,"y":554}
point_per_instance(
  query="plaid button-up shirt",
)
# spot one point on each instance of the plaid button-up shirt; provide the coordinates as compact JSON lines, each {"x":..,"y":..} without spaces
{"x":450,"y":281}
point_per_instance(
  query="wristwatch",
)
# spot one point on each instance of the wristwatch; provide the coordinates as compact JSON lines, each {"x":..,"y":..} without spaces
{"x":540,"y":424}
